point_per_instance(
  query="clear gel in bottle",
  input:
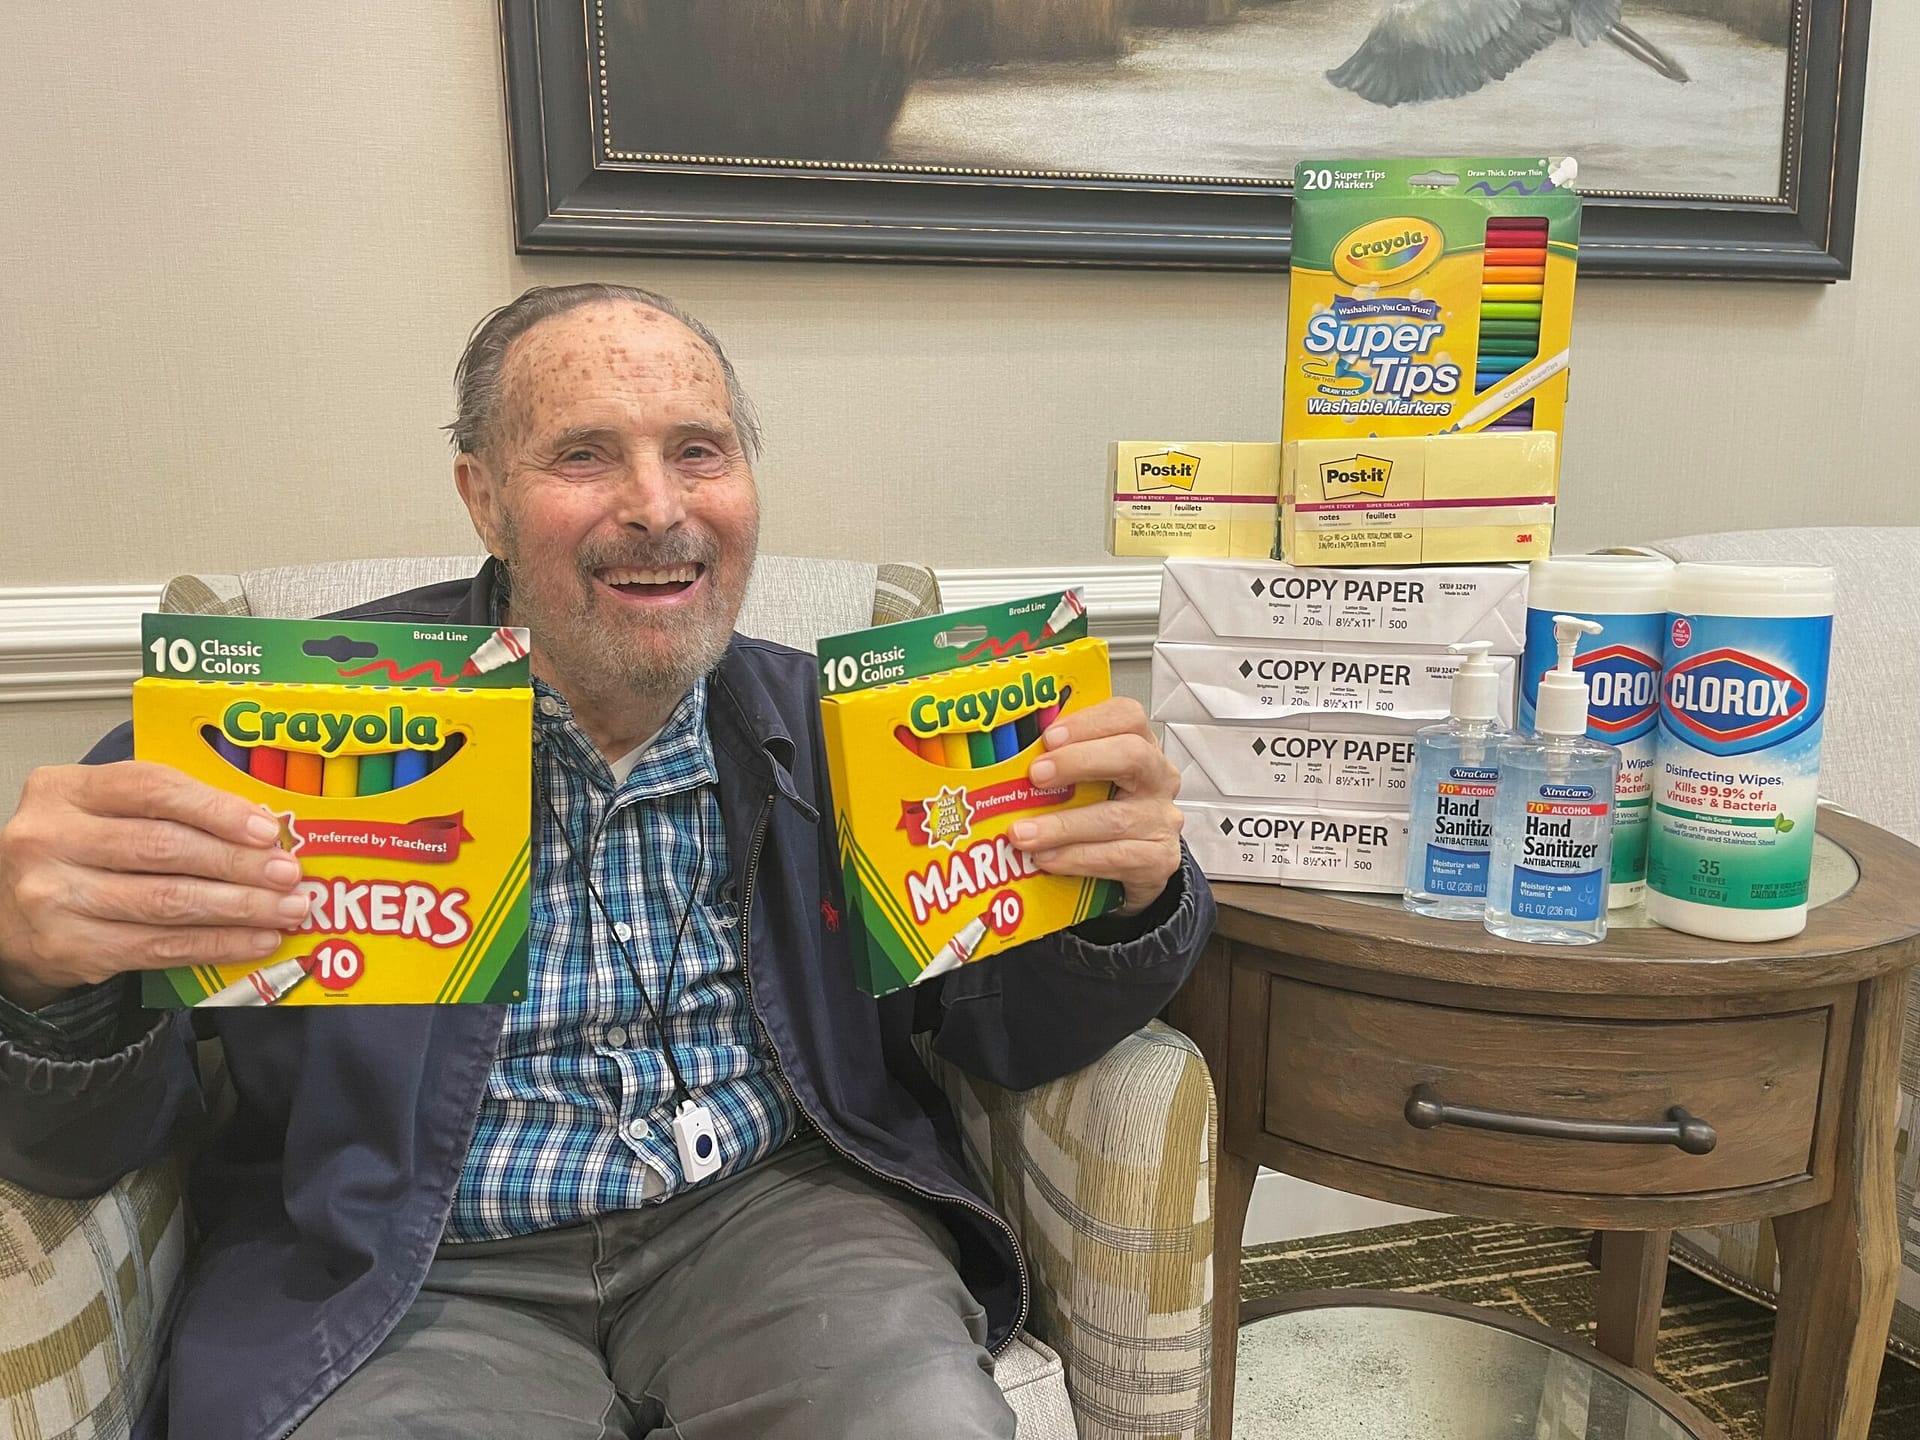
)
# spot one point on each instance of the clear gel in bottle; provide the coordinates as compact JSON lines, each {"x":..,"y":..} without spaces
{"x":1553,"y":814}
{"x":1454,"y":769}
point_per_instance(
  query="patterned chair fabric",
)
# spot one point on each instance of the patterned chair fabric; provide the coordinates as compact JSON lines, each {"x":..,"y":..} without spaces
{"x":86,"y":1287}
{"x":1867,"y":767}
{"x":1106,"y":1175}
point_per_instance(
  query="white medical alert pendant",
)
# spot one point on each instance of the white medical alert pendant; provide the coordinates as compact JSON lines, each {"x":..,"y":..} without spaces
{"x":693,"y":1137}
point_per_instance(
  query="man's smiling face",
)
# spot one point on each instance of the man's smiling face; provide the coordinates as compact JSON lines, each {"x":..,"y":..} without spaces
{"x":616,"y":490}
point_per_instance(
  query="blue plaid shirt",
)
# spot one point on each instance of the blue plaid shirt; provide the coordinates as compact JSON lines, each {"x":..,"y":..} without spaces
{"x":577,"y":1115}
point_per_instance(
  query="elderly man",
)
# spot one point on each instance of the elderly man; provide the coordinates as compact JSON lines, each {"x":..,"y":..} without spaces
{"x":472,"y":1221}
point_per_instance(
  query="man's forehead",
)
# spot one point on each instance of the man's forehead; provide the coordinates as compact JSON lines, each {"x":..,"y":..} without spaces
{"x":620,"y":330}
{"x":612,"y":344}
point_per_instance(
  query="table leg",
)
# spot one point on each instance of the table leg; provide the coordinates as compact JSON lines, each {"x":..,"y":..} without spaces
{"x":1202,"y":1009}
{"x":1839,"y":1262}
{"x":1633,"y":1278}
{"x":1232,"y":1193}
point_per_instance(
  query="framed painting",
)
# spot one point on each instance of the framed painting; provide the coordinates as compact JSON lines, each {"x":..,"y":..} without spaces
{"x":1715,"y":137}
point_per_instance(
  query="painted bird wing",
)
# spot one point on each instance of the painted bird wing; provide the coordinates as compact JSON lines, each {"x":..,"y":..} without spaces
{"x":1435,"y":49}
{"x":1590,"y":19}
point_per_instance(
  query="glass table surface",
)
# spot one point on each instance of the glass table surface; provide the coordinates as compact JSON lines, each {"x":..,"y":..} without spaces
{"x":1369,"y":1366}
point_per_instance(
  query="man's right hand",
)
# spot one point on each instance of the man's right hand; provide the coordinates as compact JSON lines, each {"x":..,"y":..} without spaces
{"x":135,"y":866}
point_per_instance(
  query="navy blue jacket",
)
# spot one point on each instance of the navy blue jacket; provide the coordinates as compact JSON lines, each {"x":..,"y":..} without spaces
{"x":321,"y":1198}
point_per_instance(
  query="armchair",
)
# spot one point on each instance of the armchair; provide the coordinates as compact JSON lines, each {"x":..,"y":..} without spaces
{"x":1106,"y":1174}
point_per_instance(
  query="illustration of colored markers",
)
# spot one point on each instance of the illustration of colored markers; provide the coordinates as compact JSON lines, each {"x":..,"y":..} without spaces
{"x":504,"y":645}
{"x":1070,"y":609}
{"x":957,"y":951}
{"x":1511,"y":389}
{"x":340,"y":775}
{"x":1006,"y":741}
{"x":958,"y":756}
{"x":376,"y":773}
{"x":234,"y":755}
{"x":409,"y":766}
{"x":303,"y":772}
{"x":980,"y":748}
{"x":264,"y":986}
{"x":268,"y":765}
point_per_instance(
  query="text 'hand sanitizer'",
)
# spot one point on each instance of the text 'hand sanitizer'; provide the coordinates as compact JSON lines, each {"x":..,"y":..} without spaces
{"x":1553,"y":814}
{"x":1454,"y":770}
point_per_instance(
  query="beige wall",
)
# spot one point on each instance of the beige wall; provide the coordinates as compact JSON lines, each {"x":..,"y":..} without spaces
{"x":246,"y":241}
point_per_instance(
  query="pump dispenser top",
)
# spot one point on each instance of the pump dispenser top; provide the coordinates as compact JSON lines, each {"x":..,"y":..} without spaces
{"x":1476,"y":684}
{"x":1562,"y":707}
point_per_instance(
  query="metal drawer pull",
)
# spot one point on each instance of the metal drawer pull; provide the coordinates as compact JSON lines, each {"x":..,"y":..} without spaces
{"x":1427,"y":1111}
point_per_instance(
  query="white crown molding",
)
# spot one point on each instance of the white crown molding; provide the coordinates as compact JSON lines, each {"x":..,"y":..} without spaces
{"x":82,"y":642}
{"x":1123,"y":600}
{"x":71,"y":642}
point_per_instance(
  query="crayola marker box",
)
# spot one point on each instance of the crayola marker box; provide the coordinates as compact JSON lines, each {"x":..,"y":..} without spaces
{"x":399,"y":760}
{"x":1429,"y":296}
{"x":931,"y":728}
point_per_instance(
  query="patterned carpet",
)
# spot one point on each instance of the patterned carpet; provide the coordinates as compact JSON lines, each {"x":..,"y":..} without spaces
{"x":1713,"y":1345}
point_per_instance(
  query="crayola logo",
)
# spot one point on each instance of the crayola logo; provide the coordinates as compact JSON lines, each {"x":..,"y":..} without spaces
{"x":1728,"y":702}
{"x":1623,"y":691}
{"x":1362,"y":475}
{"x":933,"y":714}
{"x":1170,"y":470}
{"x":1388,"y":252}
{"x":247,"y":722}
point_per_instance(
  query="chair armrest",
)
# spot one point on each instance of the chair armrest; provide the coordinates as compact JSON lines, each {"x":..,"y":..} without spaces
{"x":87,"y":1289}
{"x":1107,"y":1176}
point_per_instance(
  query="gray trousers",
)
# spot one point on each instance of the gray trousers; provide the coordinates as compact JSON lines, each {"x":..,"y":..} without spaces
{"x":802,"y":1299}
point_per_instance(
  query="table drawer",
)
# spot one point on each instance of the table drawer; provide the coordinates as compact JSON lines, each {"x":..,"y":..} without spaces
{"x":1342,"y":1066}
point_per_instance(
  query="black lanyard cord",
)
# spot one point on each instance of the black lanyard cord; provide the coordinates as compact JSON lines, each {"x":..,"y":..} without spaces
{"x":682,"y":1091}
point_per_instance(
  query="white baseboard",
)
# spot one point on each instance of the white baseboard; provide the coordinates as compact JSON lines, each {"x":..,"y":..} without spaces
{"x":82,"y":642}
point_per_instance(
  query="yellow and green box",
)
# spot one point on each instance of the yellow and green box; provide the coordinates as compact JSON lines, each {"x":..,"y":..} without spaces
{"x":1401,"y":320}
{"x":399,"y":760}
{"x":932,"y":727}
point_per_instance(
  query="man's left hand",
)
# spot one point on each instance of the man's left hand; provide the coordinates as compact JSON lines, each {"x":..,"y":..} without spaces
{"x":1134,"y":837}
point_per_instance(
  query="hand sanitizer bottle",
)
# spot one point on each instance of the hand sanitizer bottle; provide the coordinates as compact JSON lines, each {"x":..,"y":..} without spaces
{"x":1553,"y":814}
{"x":1454,"y":770}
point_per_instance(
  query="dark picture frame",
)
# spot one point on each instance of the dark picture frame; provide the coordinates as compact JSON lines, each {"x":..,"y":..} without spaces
{"x":573,"y":193}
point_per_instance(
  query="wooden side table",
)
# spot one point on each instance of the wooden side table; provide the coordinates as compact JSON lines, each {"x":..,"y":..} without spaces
{"x":1648,"y":1083}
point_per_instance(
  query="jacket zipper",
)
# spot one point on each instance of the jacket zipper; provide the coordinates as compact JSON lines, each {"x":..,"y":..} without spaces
{"x":780,"y":1073}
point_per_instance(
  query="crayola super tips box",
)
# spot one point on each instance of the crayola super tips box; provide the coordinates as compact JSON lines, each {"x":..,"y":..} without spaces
{"x":399,"y":760}
{"x":1401,"y":286}
{"x":931,"y":728}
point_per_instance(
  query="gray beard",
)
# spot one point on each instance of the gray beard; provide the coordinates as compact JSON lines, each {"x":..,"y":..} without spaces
{"x":575,"y":646}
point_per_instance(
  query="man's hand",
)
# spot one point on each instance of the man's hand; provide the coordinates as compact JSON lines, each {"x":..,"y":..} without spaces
{"x":1135,"y":836}
{"x":135,"y":866}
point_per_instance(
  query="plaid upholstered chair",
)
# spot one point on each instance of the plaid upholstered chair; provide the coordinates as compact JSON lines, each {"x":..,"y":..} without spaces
{"x":1107,"y":1174}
